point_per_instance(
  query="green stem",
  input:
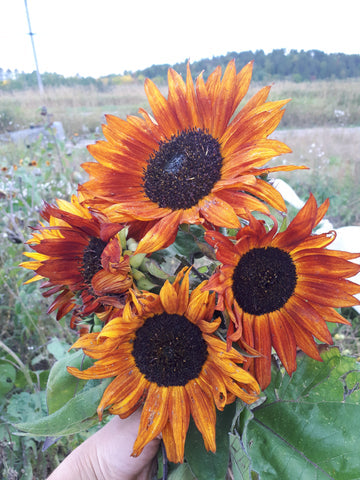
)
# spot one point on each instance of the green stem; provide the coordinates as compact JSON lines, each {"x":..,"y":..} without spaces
{"x":185,"y":262}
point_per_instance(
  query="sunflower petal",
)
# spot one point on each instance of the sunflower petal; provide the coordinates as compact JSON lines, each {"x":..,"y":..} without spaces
{"x":304,"y":339}
{"x":169,"y":298}
{"x":161,"y":235}
{"x":283,"y":340}
{"x":162,"y":111}
{"x":202,"y":409}
{"x":307,"y":317}
{"x":130,"y":399}
{"x":179,"y":418}
{"x":154,"y":417}
{"x":218,"y":212}
{"x":171,"y":448}
{"x":262,"y":343}
{"x":183,"y":293}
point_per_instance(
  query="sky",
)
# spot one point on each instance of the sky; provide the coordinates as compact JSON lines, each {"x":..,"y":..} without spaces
{"x":100,"y":37}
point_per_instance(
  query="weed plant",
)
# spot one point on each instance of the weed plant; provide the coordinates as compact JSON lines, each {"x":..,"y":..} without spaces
{"x":30,"y":340}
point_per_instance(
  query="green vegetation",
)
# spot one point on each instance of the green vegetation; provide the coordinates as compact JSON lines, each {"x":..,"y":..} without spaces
{"x":31,"y":341}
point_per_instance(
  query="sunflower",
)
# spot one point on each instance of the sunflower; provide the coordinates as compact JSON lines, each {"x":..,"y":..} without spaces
{"x":164,"y":355}
{"x":80,"y":254}
{"x":280,"y":289}
{"x":194,"y":161}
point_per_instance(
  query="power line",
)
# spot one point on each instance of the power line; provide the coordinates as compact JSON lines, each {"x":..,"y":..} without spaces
{"x":40,"y":84}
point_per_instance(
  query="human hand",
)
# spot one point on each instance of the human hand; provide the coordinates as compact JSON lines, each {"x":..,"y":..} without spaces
{"x":106,"y":455}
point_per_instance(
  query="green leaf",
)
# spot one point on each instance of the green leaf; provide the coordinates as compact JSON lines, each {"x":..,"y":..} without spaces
{"x":57,"y":348}
{"x":24,"y":406}
{"x":155,"y":270}
{"x":76,"y":415}
{"x":43,"y":379}
{"x":7,"y":378}
{"x":240,"y":461}
{"x":309,"y":426}
{"x":207,"y":465}
{"x":62,"y":386}
{"x":186,"y":241}
{"x":181,"y":472}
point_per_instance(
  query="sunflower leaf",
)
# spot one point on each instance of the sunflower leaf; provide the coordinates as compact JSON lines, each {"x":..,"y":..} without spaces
{"x":76,"y":415}
{"x":186,"y":242}
{"x":309,"y":426}
{"x":207,"y":465}
{"x":62,"y":386}
{"x":240,"y":462}
{"x":181,"y":472}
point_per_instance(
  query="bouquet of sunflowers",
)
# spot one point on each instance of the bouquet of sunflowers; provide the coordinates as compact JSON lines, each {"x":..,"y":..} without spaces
{"x":194,"y":299}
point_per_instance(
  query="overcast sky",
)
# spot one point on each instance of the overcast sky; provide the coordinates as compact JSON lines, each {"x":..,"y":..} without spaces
{"x":99,"y":37}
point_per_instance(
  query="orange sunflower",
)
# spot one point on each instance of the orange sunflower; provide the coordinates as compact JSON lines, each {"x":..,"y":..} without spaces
{"x":164,"y":355}
{"x":280,"y":289}
{"x":193,"y":161}
{"x":80,"y":254}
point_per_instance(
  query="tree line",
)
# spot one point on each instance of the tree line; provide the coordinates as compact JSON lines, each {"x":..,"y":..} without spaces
{"x":294,"y":65}
{"x":15,"y":80}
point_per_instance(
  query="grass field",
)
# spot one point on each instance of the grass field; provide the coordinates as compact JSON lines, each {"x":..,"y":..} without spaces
{"x":322,"y":103}
{"x":321,"y":125}
{"x":331,"y":153}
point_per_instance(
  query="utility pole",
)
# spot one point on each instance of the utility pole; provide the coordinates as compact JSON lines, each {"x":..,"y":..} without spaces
{"x":40,"y":84}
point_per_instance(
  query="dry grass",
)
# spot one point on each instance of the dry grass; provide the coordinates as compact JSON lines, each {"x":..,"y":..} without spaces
{"x":332,"y":155}
{"x":82,"y":110}
{"x":320,"y":103}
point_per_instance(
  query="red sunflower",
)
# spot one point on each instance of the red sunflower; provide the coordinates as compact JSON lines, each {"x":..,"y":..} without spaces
{"x":194,"y":161}
{"x":80,"y":254}
{"x":280,"y":289}
{"x":165,"y":358}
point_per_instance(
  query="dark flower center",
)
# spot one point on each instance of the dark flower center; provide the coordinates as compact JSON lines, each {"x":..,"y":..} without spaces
{"x":169,"y":350}
{"x":264,"y":280}
{"x":183,"y":170}
{"x":91,"y":261}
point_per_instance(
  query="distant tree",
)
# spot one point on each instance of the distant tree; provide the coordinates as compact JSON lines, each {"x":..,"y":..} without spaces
{"x":294,"y":65}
